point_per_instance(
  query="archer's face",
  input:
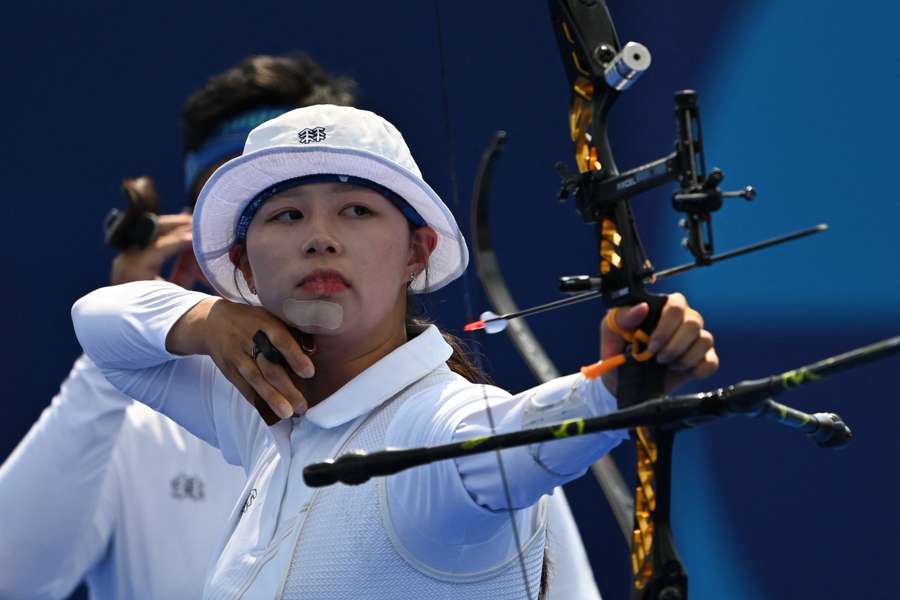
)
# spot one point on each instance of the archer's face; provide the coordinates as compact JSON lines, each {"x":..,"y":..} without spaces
{"x":337,"y":242}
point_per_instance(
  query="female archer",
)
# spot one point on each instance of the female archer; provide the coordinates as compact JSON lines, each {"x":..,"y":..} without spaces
{"x":317,"y":235}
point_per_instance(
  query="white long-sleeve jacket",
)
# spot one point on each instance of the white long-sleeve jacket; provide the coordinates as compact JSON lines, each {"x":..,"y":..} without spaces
{"x":105,"y":489}
{"x":124,"y":330}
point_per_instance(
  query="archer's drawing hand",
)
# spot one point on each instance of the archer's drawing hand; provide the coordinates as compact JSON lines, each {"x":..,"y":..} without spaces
{"x":139,"y":264}
{"x":224,"y":331}
{"x":679,"y":341}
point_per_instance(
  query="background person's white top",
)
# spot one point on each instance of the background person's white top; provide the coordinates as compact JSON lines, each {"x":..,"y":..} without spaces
{"x":106,"y":489}
{"x":124,"y":330}
{"x":145,"y":504}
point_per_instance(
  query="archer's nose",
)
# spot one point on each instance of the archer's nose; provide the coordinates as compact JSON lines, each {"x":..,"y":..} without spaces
{"x":322,"y":244}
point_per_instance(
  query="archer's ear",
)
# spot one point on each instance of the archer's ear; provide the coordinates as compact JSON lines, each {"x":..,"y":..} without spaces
{"x":422,"y":243}
{"x":238,"y":257}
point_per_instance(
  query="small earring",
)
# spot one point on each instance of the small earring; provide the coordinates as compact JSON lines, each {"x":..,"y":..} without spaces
{"x":412,"y":276}
{"x":253,"y":290}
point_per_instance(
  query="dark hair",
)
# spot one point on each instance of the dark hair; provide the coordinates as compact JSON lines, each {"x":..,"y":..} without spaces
{"x":262,"y":80}
{"x":460,"y":361}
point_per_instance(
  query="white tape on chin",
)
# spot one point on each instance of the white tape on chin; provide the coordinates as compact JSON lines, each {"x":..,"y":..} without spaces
{"x":313,"y":313}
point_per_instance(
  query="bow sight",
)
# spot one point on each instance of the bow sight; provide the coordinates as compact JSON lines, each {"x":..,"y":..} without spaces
{"x":597,"y":187}
{"x":698,"y":195}
{"x":602,"y":193}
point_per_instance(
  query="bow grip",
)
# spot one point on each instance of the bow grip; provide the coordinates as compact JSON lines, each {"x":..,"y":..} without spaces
{"x":641,"y":381}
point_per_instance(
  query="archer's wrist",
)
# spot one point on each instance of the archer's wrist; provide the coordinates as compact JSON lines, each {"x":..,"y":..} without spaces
{"x":190,"y":333}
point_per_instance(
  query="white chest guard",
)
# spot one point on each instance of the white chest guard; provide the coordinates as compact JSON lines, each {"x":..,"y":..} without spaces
{"x":347,"y":549}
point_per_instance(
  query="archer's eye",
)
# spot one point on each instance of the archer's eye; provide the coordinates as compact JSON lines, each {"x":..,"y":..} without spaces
{"x":288,"y":215}
{"x":357,"y":210}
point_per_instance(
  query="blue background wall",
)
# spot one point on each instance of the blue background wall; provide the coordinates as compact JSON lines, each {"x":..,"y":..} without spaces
{"x":796,"y":98}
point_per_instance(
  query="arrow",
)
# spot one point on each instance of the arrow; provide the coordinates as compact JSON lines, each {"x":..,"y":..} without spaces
{"x":492,"y":323}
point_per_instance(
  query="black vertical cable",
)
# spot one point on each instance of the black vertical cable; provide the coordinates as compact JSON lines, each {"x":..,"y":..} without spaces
{"x":451,"y":151}
{"x":467,"y":298}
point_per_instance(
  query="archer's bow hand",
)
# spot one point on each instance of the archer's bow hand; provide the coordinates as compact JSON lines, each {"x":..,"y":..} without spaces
{"x":679,"y":341}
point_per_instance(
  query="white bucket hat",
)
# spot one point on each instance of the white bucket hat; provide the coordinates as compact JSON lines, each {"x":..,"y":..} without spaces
{"x":319,"y":140}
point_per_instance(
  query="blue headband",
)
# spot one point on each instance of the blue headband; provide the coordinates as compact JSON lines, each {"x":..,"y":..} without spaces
{"x":227,"y":140}
{"x":243,"y":223}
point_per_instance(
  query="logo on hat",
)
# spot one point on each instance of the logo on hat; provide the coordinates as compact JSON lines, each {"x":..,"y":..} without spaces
{"x":311,"y":134}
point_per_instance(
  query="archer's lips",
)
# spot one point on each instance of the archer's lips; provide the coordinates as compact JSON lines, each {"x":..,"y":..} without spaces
{"x":324,"y":282}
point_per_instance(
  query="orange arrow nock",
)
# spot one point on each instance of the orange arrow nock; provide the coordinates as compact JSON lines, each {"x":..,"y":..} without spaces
{"x":475,"y":325}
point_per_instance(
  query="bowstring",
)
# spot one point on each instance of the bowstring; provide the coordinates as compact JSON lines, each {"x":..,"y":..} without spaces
{"x":467,"y":297}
